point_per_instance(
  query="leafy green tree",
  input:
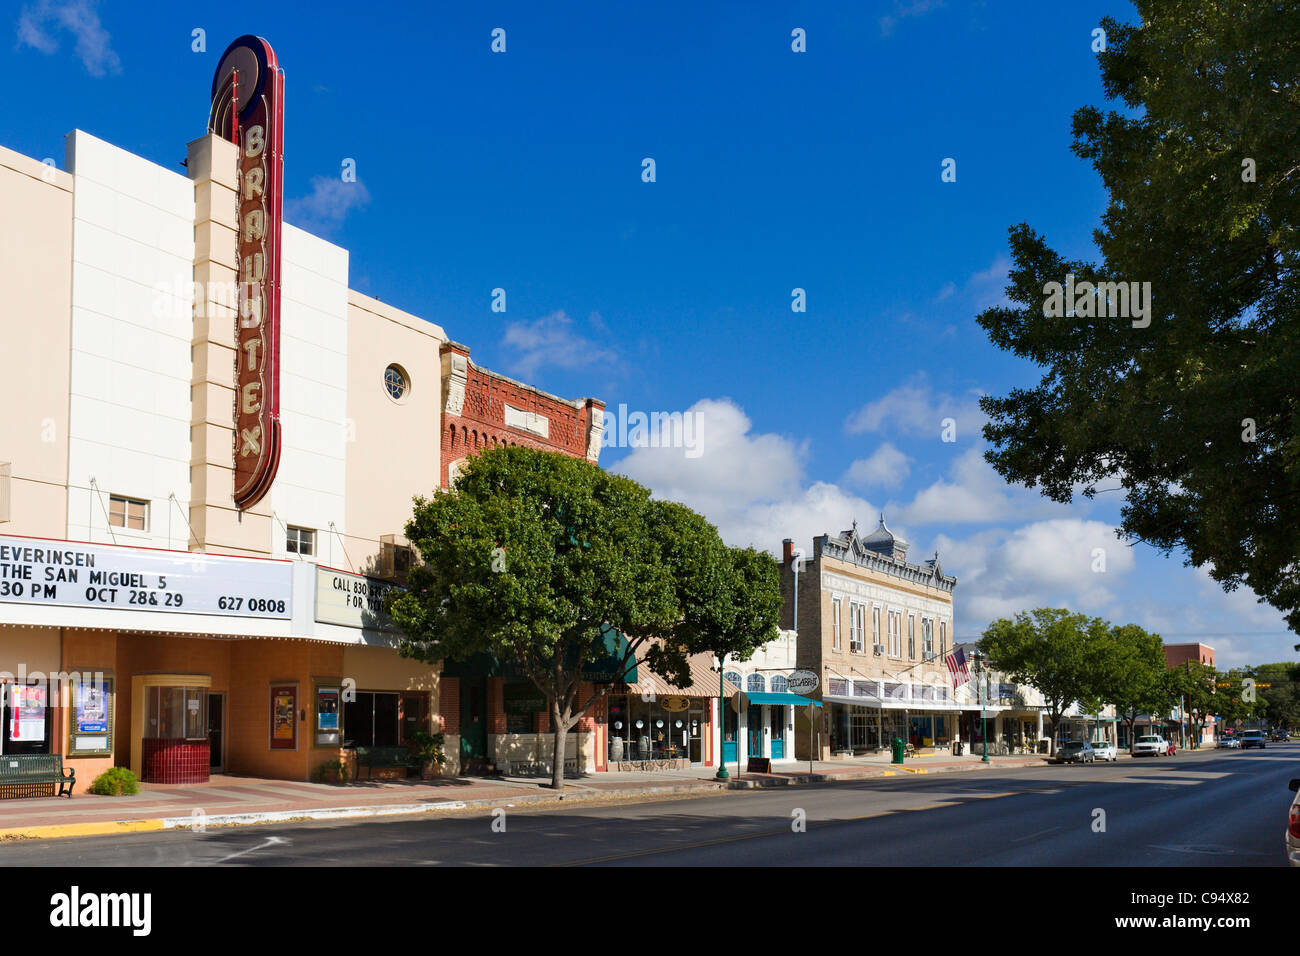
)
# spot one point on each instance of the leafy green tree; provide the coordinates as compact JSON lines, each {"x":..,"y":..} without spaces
{"x":1191,"y":409}
{"x":1278,"y":695}
{"x":534,"y":556}
{"x":1193,"y":687}
{"x":1057,"y":652}
{"x":1132,"y":676}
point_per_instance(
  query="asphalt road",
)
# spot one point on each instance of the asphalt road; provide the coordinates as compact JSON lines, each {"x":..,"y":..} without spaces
{"x":1200,"y":809}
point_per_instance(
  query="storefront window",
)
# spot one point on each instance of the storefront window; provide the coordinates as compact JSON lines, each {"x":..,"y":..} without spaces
{"x":521,"y":701}
{"x":371,"y":720}
{"x":27,"y":720}
{"x":647,"y":730}
{"x":176,"y":713}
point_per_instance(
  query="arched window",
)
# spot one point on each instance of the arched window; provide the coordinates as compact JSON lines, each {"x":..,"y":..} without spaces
{"x":779,"y":684}
{"x":755,"y":682}
{"x":732,"y":678}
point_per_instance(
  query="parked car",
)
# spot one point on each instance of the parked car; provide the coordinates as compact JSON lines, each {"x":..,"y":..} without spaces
{"x":1151,"y":745}
{"x":1104,"y":750}
{"x":1279,"y":735}
{"x":1229,"y":743}
{"x":1293,"y":826}
{"x":1076,"y":751}
{"x":1253,"y":738}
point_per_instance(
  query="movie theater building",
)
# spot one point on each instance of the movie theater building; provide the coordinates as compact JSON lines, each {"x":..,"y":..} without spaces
{"x":203,"y":497}
{"x":875,"y":628}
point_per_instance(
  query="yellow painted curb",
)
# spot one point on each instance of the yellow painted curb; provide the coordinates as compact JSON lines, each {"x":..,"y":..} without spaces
{"x":103,"y":828}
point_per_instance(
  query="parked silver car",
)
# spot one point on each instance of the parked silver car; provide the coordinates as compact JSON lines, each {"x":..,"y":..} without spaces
{"x":1104,"y":750}
{"x":1076,"y":751}
{"x":1229,"y":743}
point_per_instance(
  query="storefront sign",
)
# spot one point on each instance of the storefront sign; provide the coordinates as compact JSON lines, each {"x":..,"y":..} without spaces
{"x":65,"y":574}
{"x":284,"y":717}
{"x":27,"y":707}
{"x":802,"y":682}
{"x":248,"y":110}
{"x":674,"y":704}
{"x":351,"y":600}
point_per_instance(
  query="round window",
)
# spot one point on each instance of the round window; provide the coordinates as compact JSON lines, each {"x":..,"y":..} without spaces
{"x":396,"y":382}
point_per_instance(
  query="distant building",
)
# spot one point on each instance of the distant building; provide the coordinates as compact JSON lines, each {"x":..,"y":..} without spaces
{"x":1177,"y":655}
{"x":875,"y":629}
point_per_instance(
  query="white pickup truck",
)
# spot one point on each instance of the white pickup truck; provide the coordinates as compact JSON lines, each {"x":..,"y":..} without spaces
{"x":1150,"y":746}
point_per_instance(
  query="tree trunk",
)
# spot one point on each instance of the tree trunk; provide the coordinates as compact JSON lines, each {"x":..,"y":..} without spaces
{"x":560,"y":726}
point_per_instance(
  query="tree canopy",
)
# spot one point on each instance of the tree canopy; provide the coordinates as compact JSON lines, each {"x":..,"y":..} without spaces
{"x":1057,"y":652}
{"x":1132,"y":675}
{"x":1193,"y":415}
{"x":534,"y":556}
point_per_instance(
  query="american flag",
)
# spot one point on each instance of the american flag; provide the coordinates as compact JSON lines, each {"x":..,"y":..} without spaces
{"x":958,"y":667}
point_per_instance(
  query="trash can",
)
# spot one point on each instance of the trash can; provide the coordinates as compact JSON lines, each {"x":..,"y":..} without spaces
{"x":899,"y":749}
{"x":957,"y":748}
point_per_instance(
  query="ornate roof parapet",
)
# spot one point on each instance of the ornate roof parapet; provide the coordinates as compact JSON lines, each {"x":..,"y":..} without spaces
{"x":883,"y":551}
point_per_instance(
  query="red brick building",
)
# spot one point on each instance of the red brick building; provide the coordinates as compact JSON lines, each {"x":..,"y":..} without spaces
{"x":482,"y":409}
{"x":1176,"y":655}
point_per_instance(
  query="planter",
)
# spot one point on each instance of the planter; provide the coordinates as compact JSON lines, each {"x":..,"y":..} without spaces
{"x":430,"y":770}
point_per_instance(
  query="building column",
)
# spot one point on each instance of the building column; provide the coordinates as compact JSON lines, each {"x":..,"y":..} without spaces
{"x":215,"y":523}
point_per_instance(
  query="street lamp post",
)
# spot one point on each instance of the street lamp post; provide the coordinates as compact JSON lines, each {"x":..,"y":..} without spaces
{"x":978,"y":657}
{"x":722,"y":727}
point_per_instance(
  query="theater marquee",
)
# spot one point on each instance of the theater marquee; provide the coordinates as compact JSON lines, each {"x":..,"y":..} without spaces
{"x":248,"y":110}
{"x":69,"y":574}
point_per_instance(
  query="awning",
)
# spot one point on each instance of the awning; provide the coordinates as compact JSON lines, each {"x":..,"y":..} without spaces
{"x":704,"y":681}
{"x":776,"y":699}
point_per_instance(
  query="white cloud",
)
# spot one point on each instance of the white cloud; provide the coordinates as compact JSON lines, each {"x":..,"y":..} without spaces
{"x":988,"y":288}
{"x":39,"y":22}
{"x":916,"y":408}
{"x":886,"y":467}
{"x":973,"y":493}
{"x":329,"y":203}
{"x":1042,"y":564}
{"x":904,"y":9}
{"x":552,"y":340}
{"x":749,"y":485}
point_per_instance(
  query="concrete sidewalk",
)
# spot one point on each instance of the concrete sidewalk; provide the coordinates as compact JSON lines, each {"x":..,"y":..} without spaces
{"x":231,"y":800}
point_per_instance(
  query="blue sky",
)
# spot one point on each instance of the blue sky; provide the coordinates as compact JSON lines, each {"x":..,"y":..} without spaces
{"x":775,"y":170}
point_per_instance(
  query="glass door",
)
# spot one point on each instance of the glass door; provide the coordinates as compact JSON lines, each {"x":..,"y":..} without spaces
{"x":778,"y":733}
{"x":216,"y":733}
{"x":755,"y":731}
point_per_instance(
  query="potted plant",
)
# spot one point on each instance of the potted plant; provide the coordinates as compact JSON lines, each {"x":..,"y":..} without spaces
{"x":427,"y":750}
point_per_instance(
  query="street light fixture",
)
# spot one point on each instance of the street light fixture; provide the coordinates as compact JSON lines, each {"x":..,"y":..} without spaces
{"x":978,"y":657}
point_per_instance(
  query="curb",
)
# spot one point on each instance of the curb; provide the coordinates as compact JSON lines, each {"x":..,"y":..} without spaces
{"x":191,"y":821}
{"x":890,"y":770}
{"x":103,"y":828}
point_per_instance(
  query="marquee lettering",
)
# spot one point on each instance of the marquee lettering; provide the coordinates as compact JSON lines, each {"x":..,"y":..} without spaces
{"x":248,"y":110}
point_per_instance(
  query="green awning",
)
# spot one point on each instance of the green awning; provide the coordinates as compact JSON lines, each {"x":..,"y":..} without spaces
{"x":780,"y":699}
{"x":606,"y":669}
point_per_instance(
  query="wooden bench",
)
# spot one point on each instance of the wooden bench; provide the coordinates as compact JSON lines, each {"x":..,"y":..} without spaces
{"x":35,"y":775}
{"x":383,"y":758}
